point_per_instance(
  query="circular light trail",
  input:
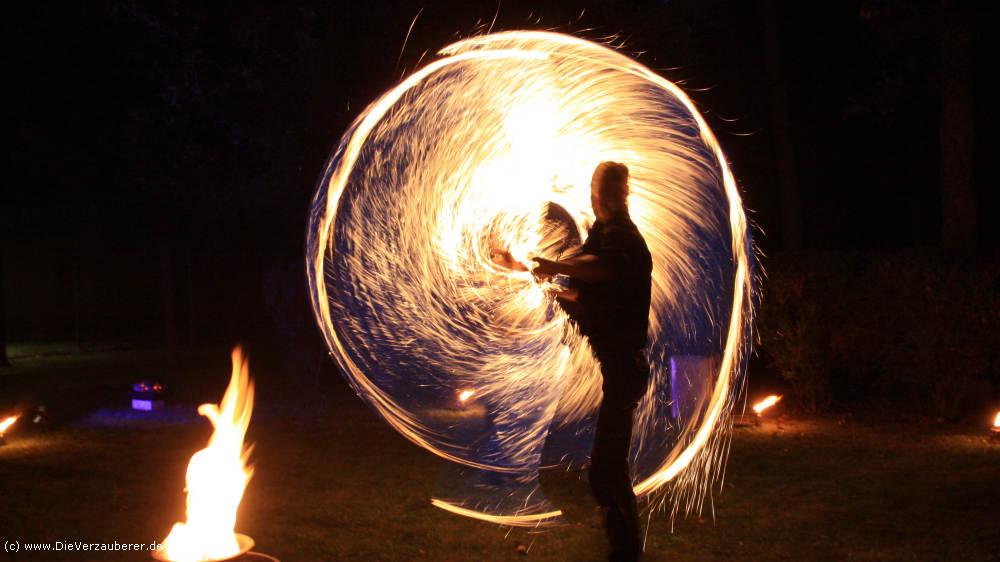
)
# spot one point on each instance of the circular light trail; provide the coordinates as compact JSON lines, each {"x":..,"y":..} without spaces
{"x":475,"y":362}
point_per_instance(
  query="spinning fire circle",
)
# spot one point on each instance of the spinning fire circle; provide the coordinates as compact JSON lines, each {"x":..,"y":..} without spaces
{"x":472,"y":152}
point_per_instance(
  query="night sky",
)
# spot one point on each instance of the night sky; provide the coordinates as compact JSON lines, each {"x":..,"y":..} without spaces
{"x":188,"y":138}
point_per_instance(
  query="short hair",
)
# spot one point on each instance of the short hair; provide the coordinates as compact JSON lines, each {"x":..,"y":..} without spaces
{"x":612,"y":179}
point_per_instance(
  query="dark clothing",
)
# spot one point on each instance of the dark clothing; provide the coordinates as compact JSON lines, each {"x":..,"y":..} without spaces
{"x":625,"y":378}
{"x":614,"y":315}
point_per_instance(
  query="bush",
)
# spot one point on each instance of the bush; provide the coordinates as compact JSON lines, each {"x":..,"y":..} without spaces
{"x":917,"y":329}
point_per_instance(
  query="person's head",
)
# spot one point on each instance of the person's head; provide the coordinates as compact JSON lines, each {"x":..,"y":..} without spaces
{"x":609,"y":190}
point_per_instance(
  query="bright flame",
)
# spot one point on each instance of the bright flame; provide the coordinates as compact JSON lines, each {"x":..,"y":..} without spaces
{"x":996,"y":422}
{"x":766,"y":403}
{"x":216,"y":477}
{"x":5,"y":424}
{"x":465,"y":395}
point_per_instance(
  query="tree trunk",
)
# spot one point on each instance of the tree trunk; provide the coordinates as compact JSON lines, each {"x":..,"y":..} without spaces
{"x":77,"y":296}
{"x":192,"y":309}
{"x":167,"y":284}
{"x":781,"y":130}
{"x":957,"y":132}
{"x":4,"y":361}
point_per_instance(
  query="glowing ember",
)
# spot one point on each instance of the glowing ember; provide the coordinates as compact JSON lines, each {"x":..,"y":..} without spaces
{"x":766,"y":403}
{"x":5,"y":424}
{"x":465,"y":395}
{"x":996,"y":422}
{"x":216,"y":478}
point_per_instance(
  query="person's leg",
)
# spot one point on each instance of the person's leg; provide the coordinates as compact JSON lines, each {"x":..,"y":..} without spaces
{"x":609,"y":472}
{"x":606,"y":458}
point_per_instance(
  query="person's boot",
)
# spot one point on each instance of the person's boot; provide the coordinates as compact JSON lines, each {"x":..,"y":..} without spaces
{"x":624,"y":556}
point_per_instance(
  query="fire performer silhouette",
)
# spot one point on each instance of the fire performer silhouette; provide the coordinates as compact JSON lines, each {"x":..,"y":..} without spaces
{"x":608,"y":297}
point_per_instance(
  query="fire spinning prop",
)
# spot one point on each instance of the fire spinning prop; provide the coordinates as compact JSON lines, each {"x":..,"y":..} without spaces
{"x":216,"y":478}
{"x":485,"y":148}
{"x":6,"y":423}
{"x":4,"y":426}
{"x":765,"y":404}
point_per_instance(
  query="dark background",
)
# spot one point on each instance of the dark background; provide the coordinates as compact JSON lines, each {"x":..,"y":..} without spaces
{"x":164,"y":155}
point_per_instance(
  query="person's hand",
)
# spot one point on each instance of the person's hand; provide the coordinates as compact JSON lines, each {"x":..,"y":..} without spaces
{"x":566,"y":295}
{"x":545,"y":268}
{"x":504,"y":259}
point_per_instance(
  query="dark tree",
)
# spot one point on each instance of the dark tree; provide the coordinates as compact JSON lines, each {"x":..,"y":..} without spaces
{"x":926,"y":51}
{"x":4,"y":361}
{"x":958,"y":130}
{"x":784,"y":152}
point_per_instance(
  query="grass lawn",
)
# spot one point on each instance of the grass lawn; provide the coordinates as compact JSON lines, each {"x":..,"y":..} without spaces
{"x":333,"y":482}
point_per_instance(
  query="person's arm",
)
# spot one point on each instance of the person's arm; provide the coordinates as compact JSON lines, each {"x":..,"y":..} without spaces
{"x":585,"y":267}
{"x":566,"y":295}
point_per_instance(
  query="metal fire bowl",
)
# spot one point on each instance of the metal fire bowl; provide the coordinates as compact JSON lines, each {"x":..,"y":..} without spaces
{"x":244,"y":542}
